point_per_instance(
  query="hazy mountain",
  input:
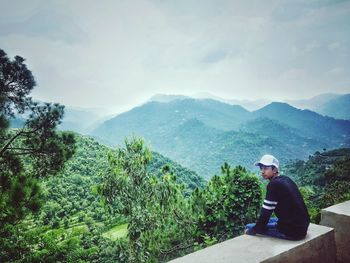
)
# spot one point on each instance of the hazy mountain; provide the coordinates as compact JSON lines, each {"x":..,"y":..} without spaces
{"x":250,"y":105}
{"x":80,"y":120}
{"x":155,"y":119}
{"x":314,"y":102}
{"x":246,"y":104}
{"x":337,"y":107}
{"x":311,"y":124}
{"x":167,"y":98}
{"x":332,"y":105}
{"x":202,"y":134}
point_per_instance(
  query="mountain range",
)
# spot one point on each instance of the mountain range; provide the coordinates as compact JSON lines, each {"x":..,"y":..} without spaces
{"x":327,"y":104}
{"x":202,"y":134}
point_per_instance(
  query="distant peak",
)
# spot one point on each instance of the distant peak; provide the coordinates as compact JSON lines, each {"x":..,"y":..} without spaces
{"x":167,"y":97}
{"x":279,"y":105}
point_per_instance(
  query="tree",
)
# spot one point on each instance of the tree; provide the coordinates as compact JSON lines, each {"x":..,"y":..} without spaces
{"x":29,"y":153}
{"x":162,"y":222}
{"x":153,"y":207}
{"x":229,"y":201}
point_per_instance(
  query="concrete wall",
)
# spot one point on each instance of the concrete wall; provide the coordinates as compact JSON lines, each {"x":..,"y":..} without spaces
{"x":318,"y":246}
{"x":338,"y":217}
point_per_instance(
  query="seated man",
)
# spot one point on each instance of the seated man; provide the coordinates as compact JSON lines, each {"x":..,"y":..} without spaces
{"x":283,"y":198}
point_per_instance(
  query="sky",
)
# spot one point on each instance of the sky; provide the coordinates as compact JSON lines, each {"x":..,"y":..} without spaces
{"x":117,"y":54}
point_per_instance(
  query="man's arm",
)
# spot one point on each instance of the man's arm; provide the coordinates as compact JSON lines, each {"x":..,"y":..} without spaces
{"x":265,"y":214}
{"x":266,"y":211}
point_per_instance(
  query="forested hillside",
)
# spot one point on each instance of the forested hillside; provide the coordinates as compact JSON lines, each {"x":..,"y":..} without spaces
{"x":200,"y":134}
{"x":309,"y":124}
{"x":71,"y":193}
{"x":72,"y":214}
{"x":324,"y":178}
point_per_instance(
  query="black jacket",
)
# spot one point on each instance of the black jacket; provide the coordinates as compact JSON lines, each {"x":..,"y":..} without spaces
{"x":283,"y":198}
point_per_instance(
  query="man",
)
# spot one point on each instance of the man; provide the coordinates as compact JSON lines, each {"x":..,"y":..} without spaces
{"x":283,"y":198}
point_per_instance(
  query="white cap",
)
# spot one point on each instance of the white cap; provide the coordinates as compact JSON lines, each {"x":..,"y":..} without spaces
{"x":267,"y":160}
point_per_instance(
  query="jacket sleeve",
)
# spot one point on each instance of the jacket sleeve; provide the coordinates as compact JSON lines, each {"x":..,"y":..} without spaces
{"x":268,"y":207}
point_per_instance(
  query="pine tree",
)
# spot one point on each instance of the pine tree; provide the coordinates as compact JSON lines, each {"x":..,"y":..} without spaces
{"x":27,"y":154}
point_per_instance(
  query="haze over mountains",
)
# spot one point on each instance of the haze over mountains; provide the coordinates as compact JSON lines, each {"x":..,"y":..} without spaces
{"x":203,"y":133}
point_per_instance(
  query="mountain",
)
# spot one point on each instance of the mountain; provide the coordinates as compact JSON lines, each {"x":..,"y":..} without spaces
{"x":290,"y":137}
{"x":311,"y":124}
{"x":155,"y":119}
{"x":337,"y":107}
{"x":205,"y":149}
{"x":247,"y":104}
{"x":167,"y":98}
{"x":79,"y":120}
{"x":203,"y":134}
{"x":329,"y":104}
{"x":314,"y":102}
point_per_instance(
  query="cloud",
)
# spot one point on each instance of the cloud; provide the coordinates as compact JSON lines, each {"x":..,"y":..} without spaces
{"x":50,"y":23}
{"x":120,"y":53}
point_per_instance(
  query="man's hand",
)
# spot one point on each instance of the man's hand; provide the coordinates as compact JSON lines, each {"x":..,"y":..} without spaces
{"x":250,"y":231}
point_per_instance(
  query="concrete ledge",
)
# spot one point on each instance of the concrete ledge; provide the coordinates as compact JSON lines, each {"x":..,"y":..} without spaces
{"x":318,"y":246}
{"x":338,"y":217}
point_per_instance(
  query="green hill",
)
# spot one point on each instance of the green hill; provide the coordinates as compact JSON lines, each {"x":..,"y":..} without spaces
{"x":313,"y":171}
{"x":71,"y":193}
{"x":155,"y":119}
{"x":205,"y":149}
{"x":310,"y":124}
{"x":324,"y":179}
{"x":292,"y":138}
{"x":202,"y":134}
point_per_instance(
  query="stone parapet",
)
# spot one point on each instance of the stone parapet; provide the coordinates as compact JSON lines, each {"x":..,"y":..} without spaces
{"x":318,"y":246}
{"x":338,"y":217}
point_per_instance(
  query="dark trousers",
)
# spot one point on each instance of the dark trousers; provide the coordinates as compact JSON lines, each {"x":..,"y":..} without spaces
{"x":272,"y":231}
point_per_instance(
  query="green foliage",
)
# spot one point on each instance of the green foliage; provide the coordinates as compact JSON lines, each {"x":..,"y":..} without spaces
{"x":309,"y":198}
{"x":148,"y":203}
{"x":185,"y":176}
{"x":27,"y":154}
{"x":71,"y":204}
{"x":163,"y":223}
{"x":325,"y":179}
{"x":228,"y":203}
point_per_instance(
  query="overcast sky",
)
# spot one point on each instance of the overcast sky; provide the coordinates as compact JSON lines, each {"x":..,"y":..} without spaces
{"x":117,"y":54}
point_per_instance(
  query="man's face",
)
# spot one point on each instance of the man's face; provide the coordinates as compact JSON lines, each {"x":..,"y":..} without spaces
{"x":267,"y":171}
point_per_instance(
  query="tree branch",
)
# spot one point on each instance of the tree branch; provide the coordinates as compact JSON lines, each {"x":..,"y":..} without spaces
{"x":21,"y":132}
{"x":6,"y":146}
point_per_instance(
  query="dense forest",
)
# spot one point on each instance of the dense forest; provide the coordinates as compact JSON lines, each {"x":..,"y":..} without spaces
{"x":65,"y":197}
{"x":324,"y":179}
{"x":76,"y":223}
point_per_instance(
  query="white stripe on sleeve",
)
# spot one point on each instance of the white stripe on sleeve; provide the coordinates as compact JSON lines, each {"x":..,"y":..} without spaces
{"x":268,"y":207}
{"x":270,"y":202}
